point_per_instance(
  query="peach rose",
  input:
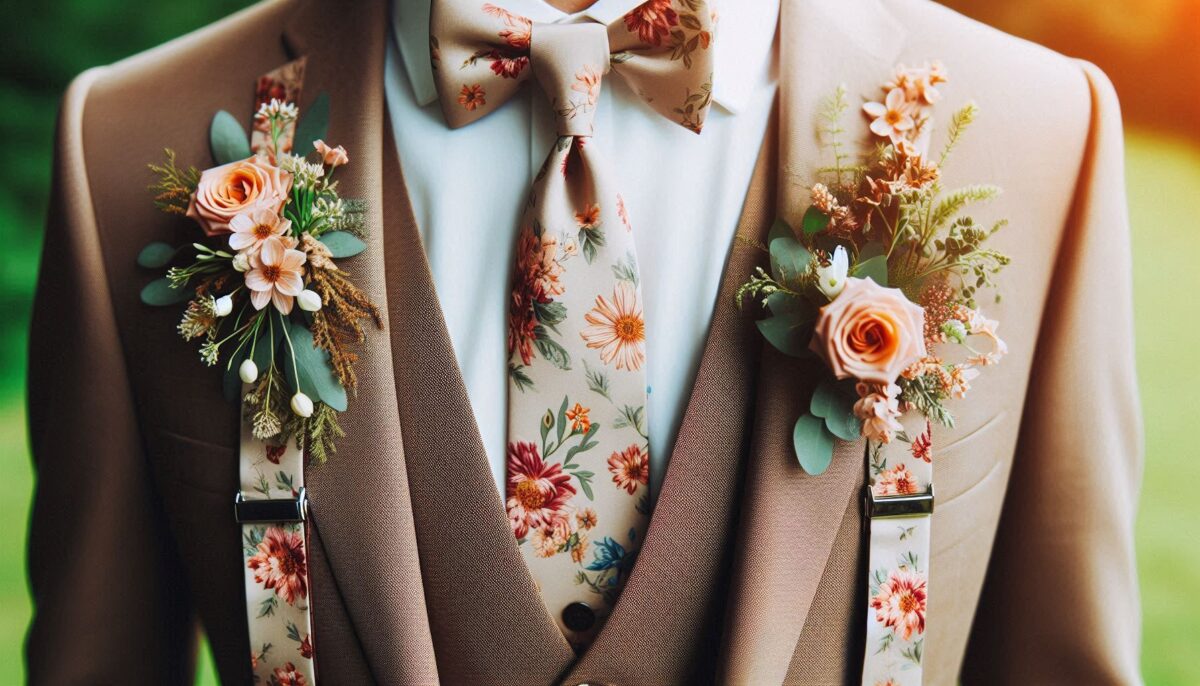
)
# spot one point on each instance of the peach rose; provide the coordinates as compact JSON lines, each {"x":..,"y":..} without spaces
{"x":869,"y":332}
{"x":231,"y":189}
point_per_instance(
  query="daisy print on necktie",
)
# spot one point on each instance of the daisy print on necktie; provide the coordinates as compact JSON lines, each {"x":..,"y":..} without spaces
{"x":578,"y":462}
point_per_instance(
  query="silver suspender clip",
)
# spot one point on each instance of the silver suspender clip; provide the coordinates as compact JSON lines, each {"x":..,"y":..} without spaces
{"x":271,"y":511}
{"x":888,"y":506}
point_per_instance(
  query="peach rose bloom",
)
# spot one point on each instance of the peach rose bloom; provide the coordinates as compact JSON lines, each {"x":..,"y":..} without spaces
{"x":235,"y":188}
{"x":869,"y":332}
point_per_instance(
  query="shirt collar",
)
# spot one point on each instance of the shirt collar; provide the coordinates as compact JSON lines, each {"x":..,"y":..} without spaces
{"x":744,"y":46}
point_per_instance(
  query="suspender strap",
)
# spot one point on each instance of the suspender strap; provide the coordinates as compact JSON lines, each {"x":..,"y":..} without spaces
{"x":898,"y":508}
{"x":272,"y":508}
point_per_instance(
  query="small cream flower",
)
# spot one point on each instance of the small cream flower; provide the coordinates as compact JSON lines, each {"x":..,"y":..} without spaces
{"x":241,"y":262}
{"x":832,"y":279}
{"x":223,"y":306}
{"x":308,"y":300}
{"x":248,"y":371}
{"x":302,"y":405}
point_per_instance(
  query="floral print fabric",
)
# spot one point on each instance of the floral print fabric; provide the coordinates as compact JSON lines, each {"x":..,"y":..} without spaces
{"x":275,"y":565}
{"x":282,"y":85}
{"x":898,"y":564}
{"x":578,"y":463}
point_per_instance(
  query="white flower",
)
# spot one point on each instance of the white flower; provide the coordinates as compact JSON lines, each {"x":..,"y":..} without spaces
{"x":304,"y":174}
{"x":241,"y":262}
{"x":308,"y":300}
{"x":832,"y":279}
{"x":248,"y":372}
{"x":223,"y":306}
{"x":979,"y":325}
{"x":302,"y":405}
{"x":278,"y":109}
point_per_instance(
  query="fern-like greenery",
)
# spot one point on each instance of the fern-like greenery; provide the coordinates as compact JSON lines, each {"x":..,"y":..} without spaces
{"x":174,"y":187}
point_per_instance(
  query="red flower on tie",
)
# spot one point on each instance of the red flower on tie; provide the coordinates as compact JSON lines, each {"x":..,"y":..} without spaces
{"x":652,"y":21}
{"x":508,"y":67}
{"x":630,"y":467}
{"x":536,"y":491}
{"x":472,"y":97}
{"x":519,"y":28}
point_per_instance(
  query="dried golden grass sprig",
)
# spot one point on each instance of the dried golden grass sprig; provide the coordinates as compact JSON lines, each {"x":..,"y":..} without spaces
{"x":337,"y":325}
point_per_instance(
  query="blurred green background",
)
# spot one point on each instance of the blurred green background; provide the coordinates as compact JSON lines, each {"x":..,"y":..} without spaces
{"x":1152,"y":57}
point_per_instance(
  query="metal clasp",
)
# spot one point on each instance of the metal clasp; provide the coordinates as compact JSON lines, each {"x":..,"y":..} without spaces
{"x":888,"y":506}
{"x":273,"y":510}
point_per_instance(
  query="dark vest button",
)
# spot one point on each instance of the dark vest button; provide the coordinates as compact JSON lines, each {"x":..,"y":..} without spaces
{"x":578,"y":616}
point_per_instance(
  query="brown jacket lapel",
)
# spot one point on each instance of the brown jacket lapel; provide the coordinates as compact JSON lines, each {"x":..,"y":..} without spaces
{"x":359,"y":507}
{"x":789,"y":519}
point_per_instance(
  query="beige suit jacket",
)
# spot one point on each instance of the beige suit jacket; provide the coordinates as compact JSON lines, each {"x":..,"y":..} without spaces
{"x":751,"y":572}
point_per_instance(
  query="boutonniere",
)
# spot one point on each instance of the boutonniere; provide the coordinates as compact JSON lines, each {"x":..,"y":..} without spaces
{"x":882,"y":281}
{"x":264,"y":296}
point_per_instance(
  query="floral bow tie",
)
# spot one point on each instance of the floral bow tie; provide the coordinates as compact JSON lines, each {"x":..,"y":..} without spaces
{"x":482,"y":53}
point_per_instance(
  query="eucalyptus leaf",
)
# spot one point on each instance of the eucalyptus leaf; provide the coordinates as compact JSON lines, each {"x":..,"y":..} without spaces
{"x":228,"y":139}
{"x":874,"y":268}
{"x":159,"y":293}
{"x":825,"y":400}
{"x":156,"y":255}
{"x":844,"y":424}
{"x":813,"y":444}
{"x":831,"y":403}
{"x":789,"y":259}
{"x":814,"y":221}
{"x":313,"y":126}
{"x":781,"y":303}
{"x":872,"y":249}
{"x":343,"y":243}
{"x":780,"y":229}
{"x":789,"y":333}
{"x":315,"y":376}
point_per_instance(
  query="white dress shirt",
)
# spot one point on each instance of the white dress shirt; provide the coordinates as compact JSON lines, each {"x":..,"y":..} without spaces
{"x":684,"y":194}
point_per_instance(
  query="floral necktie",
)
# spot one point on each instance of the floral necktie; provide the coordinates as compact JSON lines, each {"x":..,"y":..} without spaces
{"x":578,"y":462}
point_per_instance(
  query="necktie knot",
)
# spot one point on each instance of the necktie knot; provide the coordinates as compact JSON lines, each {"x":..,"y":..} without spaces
{"x":569,"y":61}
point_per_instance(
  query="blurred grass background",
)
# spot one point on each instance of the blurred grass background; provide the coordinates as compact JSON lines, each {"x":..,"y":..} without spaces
{"x":1152,"y":55}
